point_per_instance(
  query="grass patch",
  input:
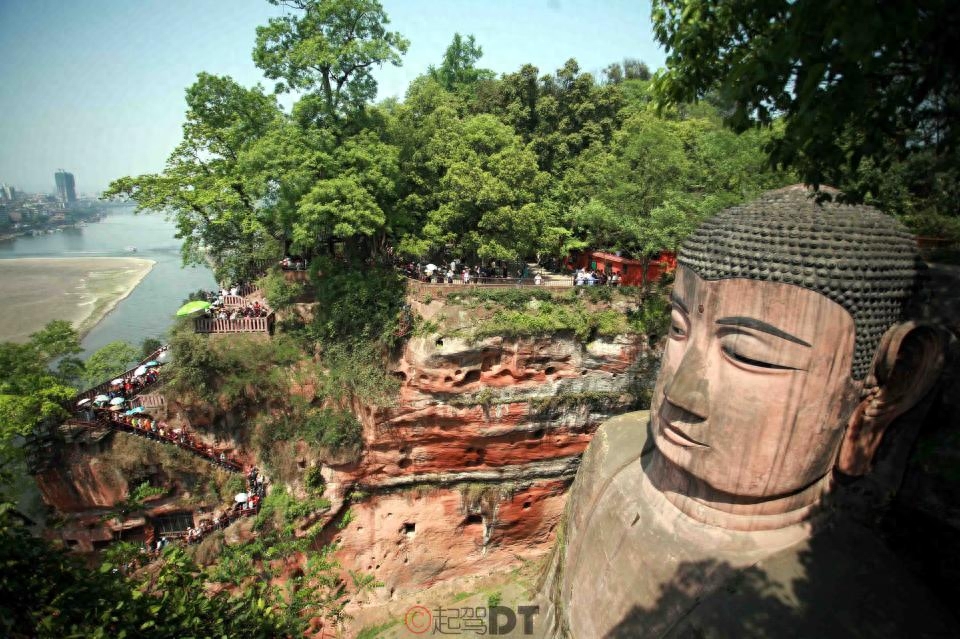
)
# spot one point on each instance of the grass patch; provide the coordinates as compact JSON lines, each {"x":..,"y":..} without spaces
{"x":373,"y":632}
{"x":550,"y":318}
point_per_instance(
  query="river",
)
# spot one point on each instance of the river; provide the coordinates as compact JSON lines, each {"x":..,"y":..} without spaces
{"x":149,"y":310}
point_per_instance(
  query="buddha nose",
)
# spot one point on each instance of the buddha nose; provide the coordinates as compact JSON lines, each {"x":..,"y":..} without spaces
{"x":690,"y":388}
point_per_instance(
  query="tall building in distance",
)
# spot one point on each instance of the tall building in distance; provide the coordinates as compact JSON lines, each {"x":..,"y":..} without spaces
{"x":66,"y":187}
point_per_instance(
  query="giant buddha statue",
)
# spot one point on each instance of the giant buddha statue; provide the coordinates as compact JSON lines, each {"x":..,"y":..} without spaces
{"x":789,"y":375}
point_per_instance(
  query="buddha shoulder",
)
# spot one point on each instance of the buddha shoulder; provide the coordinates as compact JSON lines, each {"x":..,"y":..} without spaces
{"x":617,"y":442}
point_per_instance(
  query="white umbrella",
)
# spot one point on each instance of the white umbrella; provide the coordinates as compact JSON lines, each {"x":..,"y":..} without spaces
{"x":116,"y":401}
{"x":85,"y":400}
{"x":141,"y":370}
{"x":430,"y":267}
{"x":164,"y":357}
{"x":117,"y":381}
{"x":241,"y":498}
{"x":100,"y":398}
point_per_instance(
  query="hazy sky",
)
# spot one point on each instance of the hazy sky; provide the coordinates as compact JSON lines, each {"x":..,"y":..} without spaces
{"x":96,"y":86}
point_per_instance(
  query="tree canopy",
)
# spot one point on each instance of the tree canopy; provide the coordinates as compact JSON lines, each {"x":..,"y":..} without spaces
{"x":865,"y":95}
{"x":468,"y":165}
{"x":31,"y":393}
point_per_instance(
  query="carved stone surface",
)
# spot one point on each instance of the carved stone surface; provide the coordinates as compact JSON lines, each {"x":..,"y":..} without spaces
{"x":787,"y":363}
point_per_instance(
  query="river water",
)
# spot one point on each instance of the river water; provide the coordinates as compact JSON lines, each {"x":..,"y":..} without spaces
{"x":149,"y":310}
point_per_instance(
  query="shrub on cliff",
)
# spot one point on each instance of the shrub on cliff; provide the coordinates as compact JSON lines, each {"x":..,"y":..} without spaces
{"x":278,"y":292}
{"x":244,"y":369}
{"x":45,"y":592}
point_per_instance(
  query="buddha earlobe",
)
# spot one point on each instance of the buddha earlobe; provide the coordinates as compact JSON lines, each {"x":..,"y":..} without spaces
{"x":906,"y":367}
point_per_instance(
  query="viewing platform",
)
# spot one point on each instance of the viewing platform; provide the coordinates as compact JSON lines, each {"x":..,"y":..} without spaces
{"x":239,"y":325}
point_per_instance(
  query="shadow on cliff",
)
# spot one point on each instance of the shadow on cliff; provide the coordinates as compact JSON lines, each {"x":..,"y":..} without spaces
{"x":845,"y":582}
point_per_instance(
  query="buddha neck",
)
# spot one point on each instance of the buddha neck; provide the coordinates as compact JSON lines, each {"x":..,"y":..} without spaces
{"x":704,"y":504}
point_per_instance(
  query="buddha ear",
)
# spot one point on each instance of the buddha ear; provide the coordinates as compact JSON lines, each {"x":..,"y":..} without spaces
{"x":908,"y":363}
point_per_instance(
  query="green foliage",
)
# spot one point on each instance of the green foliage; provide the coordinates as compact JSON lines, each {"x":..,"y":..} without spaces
{"x":355,"y":372}
{"x":149,"y":346}
{"x":549,"y":318}
{"x":554,"y":406}
{"x":494,"y":599}
{"x":375,"y":632}
{"x":46,"y":593}
{"x":31,"y":394}
{"x":511,"y":298}
{"x":857,"y":100}
{"x":329,"y":48}
{"x":313,"y":479}
{"x":652,"y":317}
{"x":459,"y":64}
{"x":357,"y":306}
{"x":335,"y":430}
{"x":278,"y":292}
{"x":245,"y":370}
{"x":106,"y":363}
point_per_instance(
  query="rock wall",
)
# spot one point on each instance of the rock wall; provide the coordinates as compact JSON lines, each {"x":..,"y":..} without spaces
{"x":465,"y":473}
{"x":468,"y":471}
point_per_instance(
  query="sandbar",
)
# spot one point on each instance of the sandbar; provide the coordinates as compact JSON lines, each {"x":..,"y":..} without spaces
{"x":35,"y":291}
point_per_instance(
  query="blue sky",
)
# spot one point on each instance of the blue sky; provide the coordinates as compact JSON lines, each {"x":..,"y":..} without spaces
{"x":96,"y":87}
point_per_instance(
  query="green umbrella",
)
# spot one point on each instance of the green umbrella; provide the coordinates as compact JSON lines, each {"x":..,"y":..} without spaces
{"x":192,"y":307}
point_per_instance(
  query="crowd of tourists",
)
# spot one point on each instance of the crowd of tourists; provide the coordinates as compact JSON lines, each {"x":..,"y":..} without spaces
{"x":293,"y":263}
{"x":220,"y":309}
{"x":456,"y":272}
{"x":158,"y":430}
{"x":244,"y":505}
{"x":254,"y":309}
{"x":584,"y":277}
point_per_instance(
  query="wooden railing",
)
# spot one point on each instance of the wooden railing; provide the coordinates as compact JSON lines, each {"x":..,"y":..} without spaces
{"x":239,"y":325}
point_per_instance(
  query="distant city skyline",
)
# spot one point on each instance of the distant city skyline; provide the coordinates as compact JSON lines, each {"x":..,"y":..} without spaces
{"x":98,"y":87}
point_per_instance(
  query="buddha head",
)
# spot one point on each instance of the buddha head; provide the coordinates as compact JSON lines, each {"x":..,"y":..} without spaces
{"x":789,"y":356}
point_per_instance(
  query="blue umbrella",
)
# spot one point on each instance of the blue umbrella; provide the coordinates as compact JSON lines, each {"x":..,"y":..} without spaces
{"x":134,"y":411}
{"x":152,"y":362}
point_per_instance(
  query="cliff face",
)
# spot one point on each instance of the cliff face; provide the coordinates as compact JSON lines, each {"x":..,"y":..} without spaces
{"x":468,"y":472}
{"x":463,"y":474}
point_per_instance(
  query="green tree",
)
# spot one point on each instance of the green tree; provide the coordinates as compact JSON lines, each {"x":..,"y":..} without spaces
{"x":459,"y":64}
{"x":113,"y":359}
{"x":31,"y":394}
{"x":486,"y":193}
{"x":222,"y":209}
{"x":329,"y":48}
{"x":47,"y":593}
{"x":149,"y":346}
{"x":851,"y":81}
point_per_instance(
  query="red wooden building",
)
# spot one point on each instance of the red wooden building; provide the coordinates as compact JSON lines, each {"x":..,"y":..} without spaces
{"x":630,"y":270}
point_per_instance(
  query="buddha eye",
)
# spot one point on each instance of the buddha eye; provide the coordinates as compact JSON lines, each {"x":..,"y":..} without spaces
{"x":749,"y":361}
{"x":678,"y":325}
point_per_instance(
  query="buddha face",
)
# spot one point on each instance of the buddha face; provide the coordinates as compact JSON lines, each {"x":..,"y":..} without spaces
{"x":755,"y":388}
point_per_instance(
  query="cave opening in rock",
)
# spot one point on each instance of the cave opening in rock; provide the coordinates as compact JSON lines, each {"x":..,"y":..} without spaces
{"x":409,"y":529}
{"x":475,"y":518}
